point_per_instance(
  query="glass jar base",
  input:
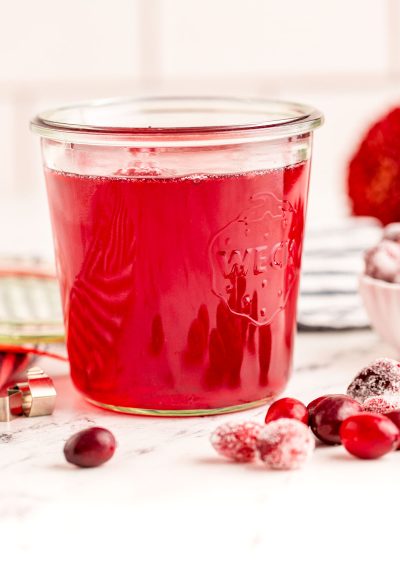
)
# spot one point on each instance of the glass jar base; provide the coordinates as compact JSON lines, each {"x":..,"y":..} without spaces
{"x":180,"y":412}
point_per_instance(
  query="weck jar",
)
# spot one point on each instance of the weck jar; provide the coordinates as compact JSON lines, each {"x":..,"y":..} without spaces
{"x":178,"y":227}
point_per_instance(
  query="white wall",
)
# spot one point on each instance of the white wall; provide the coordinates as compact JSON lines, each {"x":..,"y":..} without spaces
{"x":343,"y":56}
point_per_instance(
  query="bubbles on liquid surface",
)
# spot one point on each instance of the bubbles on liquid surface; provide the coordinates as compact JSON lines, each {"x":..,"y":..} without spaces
{"x":197,"y":178}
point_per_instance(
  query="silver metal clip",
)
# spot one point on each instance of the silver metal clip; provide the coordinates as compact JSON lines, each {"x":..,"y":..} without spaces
{"x":34,"y":398}
{"x":37,"y":395}
{"x":5,"y":413}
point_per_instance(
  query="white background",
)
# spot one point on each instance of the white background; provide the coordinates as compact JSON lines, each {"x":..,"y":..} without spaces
{"x":341,"y":56}
{"x":336,"y":519}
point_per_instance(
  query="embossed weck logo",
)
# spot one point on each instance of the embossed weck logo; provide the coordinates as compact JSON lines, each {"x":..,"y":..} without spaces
{"x":255,"y":260}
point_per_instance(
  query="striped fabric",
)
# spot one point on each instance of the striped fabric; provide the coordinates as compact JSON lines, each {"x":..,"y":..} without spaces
{"x":332,"y":263}
{"x":30,"y":309}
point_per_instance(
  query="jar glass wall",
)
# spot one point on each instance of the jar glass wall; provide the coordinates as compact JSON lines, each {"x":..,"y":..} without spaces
{"x":178,"y":228}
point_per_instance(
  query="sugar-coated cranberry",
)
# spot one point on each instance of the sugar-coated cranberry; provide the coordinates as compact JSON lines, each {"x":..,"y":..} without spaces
{"x":392,"y":232}
{"x":381,"y":404}
{"x":328,"y":415}
{"x":285,"y":444}
{"x":369,"y":435}
{"x":383,"y":261}
{"x":237,"y":441}
{"x":395,"y":417}
{"x":380,"y":377}
{"x":90,"y":447}
{"x":287,"y":408}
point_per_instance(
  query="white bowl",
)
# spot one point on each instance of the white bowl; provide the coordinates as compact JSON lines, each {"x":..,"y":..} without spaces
{"x":382,"y":303}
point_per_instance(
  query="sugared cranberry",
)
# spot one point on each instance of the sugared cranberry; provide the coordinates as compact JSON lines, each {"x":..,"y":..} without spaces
{"x":383,"y":261}
{"x":395,"y":417}
{"x":382,"y":404}
{"x":90,"y":447}
{"x":392,"y":232}
{"x":285,"y":444}
{"x":287,"y":408}
{"x":237,"y":441}
{"x":380,"y":377}
{"x":369,"y":435}
{"x":328,"y":415}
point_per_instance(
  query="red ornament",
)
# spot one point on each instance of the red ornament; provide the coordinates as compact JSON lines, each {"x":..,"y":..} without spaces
{"x":369,"y":435}
{"x":374,"y":171}
{"x":287,"y":408}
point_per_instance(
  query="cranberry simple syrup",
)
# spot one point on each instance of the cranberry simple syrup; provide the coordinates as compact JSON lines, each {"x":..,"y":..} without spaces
{"x":179,"y":293}
{"x":178,"y":226}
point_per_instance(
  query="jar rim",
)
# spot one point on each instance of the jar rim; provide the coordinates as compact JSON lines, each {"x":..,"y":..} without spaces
{"x":173,"y":119}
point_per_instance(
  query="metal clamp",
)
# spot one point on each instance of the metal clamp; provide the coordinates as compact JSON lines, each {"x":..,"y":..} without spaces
{"x":5,"y":413}
{"x":33,"y":398}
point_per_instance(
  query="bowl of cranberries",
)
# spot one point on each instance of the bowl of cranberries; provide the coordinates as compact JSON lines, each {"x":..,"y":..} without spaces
{"x":380,"y":286}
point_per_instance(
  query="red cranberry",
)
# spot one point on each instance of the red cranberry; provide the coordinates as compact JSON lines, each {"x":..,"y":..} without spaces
{"x":237,"y":441}
{"x":287,"y":408}
{"x":90,"y":447}
{"x":313,"y":404}
{"x":369,"y":435}
{"x":395,"y":417}
{"x":328,"y":415}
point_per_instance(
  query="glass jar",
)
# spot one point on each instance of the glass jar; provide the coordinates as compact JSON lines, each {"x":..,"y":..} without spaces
{"x":178,"y":227}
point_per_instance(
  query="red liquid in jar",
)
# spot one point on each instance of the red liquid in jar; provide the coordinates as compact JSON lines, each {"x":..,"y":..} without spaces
{"x":179,"y":293}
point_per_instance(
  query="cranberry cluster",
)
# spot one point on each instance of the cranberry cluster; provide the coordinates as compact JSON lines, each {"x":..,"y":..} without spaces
{"x":366,"y":421}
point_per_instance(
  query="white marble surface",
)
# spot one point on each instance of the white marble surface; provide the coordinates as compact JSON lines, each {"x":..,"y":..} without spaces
{"x":167,"y":506}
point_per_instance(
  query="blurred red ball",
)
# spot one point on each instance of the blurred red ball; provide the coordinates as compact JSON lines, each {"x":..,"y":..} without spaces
{"x":374,"y":171}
